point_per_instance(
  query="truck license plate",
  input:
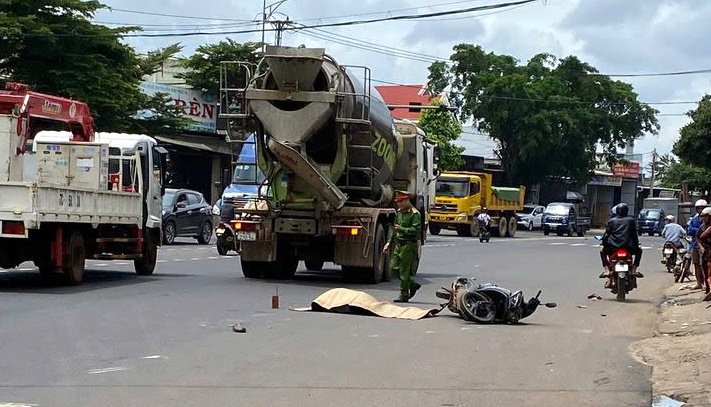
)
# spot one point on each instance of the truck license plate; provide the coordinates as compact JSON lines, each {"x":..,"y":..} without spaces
{"x":248,"y":236}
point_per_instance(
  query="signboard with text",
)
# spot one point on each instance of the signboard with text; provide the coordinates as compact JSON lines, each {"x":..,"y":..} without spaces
{"x":626,"y":170}
{"x":198,"y":106}
{"x":605,"y":180}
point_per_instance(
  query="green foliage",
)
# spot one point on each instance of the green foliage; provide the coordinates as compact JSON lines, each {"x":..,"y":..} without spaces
{"x":694,"y":143}
{"x":662,"y":165}
{"x":204,"y":66}
{"x":548,"y":116}
{"x":53,"y":47}
{"x":443,"y":128}
{"x":696,"y":178}
{"x":153,"y":61}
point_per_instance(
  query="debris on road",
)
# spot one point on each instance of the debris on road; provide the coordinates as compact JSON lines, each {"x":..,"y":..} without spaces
{"x":594,"y":297}
{"x":664,"y":401}
{"x":581,"y":306}
{"x":239,"y":329}
{"x":345,"y":301}
{"x":275,"y":299}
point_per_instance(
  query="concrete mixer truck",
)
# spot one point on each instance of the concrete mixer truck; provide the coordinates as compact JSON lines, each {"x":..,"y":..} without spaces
{"x":332,"y":156}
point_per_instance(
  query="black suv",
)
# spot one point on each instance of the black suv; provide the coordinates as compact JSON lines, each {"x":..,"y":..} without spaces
{"x":185,"y":213}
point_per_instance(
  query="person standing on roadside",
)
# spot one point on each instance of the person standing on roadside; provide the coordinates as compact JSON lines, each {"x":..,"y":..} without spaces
{"x":693,"y":230}
{"x":403,"y":238}
{"x":704,"y":240}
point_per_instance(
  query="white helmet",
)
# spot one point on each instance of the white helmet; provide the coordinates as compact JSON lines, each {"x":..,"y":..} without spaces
{"x":701,"y":202}
{"x":670,"y":218}
{"x":706,"y":212}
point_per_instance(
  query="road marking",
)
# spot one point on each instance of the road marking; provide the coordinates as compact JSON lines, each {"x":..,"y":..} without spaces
{"x":556,"y":244}
{"x":107,"y":370}
{"x":646,"y":247}
{"x":161,"y":261}
{"x":578,"y":244}
{"x":121,"y":263}
{"x":213,"y":258}
{"x":4,"y":404}
{"x":154,"y":357}
{"x":100,"y":265}
{"x":25,"y":269}
{"x":195,"y":259}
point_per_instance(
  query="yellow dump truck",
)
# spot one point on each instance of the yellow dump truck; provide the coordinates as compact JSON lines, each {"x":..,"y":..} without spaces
{"x":461,"y":195}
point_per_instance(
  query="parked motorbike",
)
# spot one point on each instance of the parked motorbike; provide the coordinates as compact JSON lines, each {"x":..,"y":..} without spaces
{"x":682,"y":268}
{"x":484,"y":232}
{"x":620,"y":264}
{"x":488,"y":303}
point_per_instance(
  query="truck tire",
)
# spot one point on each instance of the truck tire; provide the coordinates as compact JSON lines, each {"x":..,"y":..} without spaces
{"x":74,"y":259}
{"x":546,"y":232}
{"x":314,"y":264}
{"x":570,"y":230}
{"x":503,"y":226}
{"x":253,"y":269}
{"x":375,"y":274}
{"x":581,"y":231}
{"x":463,"y":231}
{"x":435,"y":229}
{"x":513,"y":225}
{"x":147,"y":264}
{"x":284,"y":268}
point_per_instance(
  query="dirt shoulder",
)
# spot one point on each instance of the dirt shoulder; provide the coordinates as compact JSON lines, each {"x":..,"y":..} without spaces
{"x":680,"y":350}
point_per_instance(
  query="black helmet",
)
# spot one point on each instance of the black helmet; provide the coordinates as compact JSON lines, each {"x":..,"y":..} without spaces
{"x":622,"y":210}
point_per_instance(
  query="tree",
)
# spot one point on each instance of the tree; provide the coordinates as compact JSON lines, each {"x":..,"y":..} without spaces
{"x":696,"y":178}
{"x":664,"y":162}
{"x":548,"y":116}
{"x":203,"y":67}
{"x":53,"y":47}
{"x":694,"y":140}
{"x":443,"y":128}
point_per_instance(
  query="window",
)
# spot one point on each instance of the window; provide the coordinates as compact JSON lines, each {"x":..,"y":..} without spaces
{"x":194,"y":199}
{"x":415,"y":107}
{"x":474,"y":188}
{"x":538,"y":211}
{"x":182,"y":198}
{"x":456,"y":189}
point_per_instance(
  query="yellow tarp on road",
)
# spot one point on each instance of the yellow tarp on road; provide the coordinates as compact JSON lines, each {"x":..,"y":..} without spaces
{"x":343,"y":300}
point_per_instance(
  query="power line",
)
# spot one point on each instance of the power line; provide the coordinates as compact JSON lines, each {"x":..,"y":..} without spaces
{"x":372,"y":13}
{"x":674,"y":73}
{"x":148,"y":13}
{"x":336,"y":24}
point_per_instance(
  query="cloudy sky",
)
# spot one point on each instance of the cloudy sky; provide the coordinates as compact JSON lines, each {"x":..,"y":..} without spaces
{"x":615,"y":36}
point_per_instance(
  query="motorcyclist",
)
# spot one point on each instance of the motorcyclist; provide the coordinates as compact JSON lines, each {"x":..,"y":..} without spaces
{"x":692,"y":230}
{"x":621,"y":233}
{"x":484,"y":220}
{"x":673,"y":233}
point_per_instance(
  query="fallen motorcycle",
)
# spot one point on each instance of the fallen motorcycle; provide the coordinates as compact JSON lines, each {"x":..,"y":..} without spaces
{"x":488,"y":303}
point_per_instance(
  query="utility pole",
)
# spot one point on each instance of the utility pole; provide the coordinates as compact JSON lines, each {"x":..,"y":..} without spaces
{"x":654,"y":167}
{"x":264,"y":21}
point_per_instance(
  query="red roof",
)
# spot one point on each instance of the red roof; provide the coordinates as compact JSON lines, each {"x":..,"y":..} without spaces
{"x":405,"y":95}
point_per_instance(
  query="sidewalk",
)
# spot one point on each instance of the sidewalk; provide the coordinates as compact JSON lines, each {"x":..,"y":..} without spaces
{"x":680,"y":350}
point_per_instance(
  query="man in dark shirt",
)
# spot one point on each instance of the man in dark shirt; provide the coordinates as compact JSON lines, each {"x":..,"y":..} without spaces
{"x":621,"y":233}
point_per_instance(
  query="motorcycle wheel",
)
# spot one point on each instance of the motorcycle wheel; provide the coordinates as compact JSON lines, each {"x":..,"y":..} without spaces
{"x":621,"y":289}
{"x":221,"y":248}
{"x":477,"y":307}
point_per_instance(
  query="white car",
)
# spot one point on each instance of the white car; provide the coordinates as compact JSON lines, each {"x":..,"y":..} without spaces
{"x":530,"y":217}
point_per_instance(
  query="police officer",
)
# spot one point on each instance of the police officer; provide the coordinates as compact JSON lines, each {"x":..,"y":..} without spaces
{"x":403,"y":238}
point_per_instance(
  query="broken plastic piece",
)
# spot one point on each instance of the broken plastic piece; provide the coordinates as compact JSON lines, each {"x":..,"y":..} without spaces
{"x":239,"y":329}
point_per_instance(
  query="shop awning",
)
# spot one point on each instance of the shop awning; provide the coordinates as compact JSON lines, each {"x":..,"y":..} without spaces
{"x":203,"y":143}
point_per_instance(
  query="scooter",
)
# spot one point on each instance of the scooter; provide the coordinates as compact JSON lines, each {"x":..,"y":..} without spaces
{"x":226,"y":240}
{"x":488,"y":303}
{"x":484,"y":232}
{"x":682,"y":268}
{"x":623,"y":281}
{"x":669,"y":256}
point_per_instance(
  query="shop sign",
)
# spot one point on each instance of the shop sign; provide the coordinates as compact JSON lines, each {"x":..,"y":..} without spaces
{"x":198,"y":106}
{"x":626,"y":170}
{"x":606,"y":181}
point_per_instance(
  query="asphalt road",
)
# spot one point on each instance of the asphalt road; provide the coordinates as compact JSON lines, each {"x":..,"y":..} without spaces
{"x":166,"y":340}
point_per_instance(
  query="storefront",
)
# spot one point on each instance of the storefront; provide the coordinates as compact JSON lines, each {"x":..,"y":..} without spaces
{"x":601,"y":190}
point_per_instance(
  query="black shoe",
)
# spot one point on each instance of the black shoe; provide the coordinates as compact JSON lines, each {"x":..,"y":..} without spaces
{"x":413,"y":290}
{"x":401,"y":298}
{"x":604,"y":274}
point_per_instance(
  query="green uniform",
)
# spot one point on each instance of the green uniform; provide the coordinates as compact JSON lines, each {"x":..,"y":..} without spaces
{"x":404,"y":248}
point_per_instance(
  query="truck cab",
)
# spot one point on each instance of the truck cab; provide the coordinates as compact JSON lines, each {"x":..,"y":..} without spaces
{"x":562,"y":218}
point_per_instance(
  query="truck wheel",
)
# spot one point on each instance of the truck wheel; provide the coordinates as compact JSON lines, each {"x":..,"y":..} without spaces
{"x":147,"y":264}
{"x":570,"y":231}
{"x":503,"y":223}
{"x":546,"y":232}
{"x":474,"y":228}
{"x":205,"y":233}
{"x":169,"y":232}
{"x":75,"y":256}
{"x":513,"y":225}
{"x":581,"y":231}
{"x":375,"y":274}
{"x":434,"y":229}
{"x":284,"y":268}
{"x":463,"y":231}
{"x":253,"y":269}
{"x":314,"y":264}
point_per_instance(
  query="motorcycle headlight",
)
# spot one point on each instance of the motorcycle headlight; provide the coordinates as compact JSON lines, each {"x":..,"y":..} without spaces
{"x":462,"y":216}
{"x":216,"y":210}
